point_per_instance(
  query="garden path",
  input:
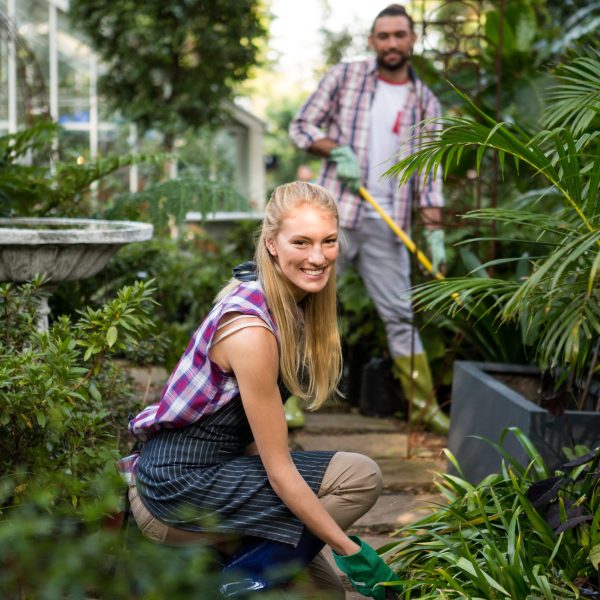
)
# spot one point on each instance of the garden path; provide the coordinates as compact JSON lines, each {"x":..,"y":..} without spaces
{"x":407,"y":460}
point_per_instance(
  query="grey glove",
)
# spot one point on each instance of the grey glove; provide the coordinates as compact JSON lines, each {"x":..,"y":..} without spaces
{"x":348,"y":168}
{"x":435,"y":241}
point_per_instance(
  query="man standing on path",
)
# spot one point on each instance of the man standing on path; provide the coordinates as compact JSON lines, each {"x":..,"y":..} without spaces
{"x":359,"y":119}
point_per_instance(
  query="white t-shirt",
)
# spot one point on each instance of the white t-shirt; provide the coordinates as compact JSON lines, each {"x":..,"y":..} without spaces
{"x":385,"y":136}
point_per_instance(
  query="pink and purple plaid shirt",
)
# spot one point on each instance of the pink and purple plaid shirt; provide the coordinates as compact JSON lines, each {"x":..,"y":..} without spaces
{"x":197,"y":386}
{"x":339,"y":109}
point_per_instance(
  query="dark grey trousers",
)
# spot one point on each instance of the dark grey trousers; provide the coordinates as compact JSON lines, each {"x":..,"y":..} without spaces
{"x":384,"y":265}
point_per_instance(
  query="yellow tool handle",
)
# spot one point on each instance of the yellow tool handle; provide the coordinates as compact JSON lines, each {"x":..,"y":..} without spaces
{"x":412,"y":247}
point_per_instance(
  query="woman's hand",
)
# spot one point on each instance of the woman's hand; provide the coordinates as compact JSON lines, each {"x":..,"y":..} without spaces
{"x":366,"y":569}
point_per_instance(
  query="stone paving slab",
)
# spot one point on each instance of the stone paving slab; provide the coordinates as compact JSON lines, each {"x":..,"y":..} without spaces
{"x":375,"y":445}
{"x":350,"y":422}
{"x":392,"y":511}
{"x":413,"y":475}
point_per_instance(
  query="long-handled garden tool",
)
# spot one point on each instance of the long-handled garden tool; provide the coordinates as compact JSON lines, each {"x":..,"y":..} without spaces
{"x":410,"y":245}
{"x":413,"y":371}
{"x":406,"y":240}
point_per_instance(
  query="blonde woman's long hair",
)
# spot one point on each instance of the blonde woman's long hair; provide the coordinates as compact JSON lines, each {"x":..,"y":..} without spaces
{"x":310,"y":359}
{"x":310,"y":354}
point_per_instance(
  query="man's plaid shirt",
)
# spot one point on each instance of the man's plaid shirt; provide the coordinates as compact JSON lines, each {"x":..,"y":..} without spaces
{"x":339,"y":109}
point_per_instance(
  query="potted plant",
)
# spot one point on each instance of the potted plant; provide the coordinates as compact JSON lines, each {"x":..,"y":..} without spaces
{"x":558,"y":303}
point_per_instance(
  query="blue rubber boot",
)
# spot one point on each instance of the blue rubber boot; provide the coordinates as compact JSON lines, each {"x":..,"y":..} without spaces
{"x":260,"y":565}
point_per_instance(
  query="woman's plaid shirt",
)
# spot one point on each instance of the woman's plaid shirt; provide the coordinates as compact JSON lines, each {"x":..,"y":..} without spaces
{"x":339,"y":109}
{"x":197,"y":386}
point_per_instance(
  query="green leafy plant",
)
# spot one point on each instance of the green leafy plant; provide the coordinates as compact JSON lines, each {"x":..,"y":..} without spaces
{"x":44,"y":186}
{"x":358,"y":317}
{"x":49,"y":556}
{"x":558,"y":303}
{"x":517,"y":534}
{"x":171,"y":69}
{"x":55,"y":429}
{"x":168,"y":202}
{"x":64,"y":403}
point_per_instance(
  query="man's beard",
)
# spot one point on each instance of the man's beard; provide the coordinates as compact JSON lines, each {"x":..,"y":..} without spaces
{"x":396,"y":66}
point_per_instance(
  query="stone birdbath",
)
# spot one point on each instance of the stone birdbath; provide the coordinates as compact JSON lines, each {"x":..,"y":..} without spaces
{"x":61,"y":249}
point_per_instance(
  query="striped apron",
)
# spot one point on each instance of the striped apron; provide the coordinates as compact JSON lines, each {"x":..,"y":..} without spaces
{"x":197,"y":478}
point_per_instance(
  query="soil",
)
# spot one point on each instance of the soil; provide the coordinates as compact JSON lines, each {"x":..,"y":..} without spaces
{"x":528,"y":386}
{"x":541,"y":391}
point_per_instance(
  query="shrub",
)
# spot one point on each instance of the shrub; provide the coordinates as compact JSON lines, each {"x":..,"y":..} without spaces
{"x":557,"y":303}
{"x":47,"y":557}
{"x":63,"y":401}
{"x":187,"y":274}
{"x":55,"y":426}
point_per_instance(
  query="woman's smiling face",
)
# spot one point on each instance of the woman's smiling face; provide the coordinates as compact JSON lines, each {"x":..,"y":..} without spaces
{"x":305,"y":248}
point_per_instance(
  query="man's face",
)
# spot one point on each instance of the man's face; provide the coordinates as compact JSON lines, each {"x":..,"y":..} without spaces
{"x":392,"y":41}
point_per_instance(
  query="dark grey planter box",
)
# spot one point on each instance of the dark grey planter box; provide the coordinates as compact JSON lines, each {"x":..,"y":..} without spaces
{"x":484,"y":406}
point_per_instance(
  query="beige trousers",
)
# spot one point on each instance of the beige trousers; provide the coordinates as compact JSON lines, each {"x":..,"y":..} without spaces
{"x":351,"y":485}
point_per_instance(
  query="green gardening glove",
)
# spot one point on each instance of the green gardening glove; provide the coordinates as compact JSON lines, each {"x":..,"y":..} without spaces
{"x":366,"y":569}
{"x":435,"y":241}
{"x":348,"y":168}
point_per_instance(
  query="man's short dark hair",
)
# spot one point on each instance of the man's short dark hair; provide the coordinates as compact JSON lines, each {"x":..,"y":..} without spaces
{"x":394,"y":10}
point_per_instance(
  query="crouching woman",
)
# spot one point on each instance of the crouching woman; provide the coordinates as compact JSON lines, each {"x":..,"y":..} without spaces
{"x":215,"y":461}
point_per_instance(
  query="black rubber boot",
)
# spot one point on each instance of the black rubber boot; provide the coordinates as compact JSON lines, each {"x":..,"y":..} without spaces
{"x":261,"y":565}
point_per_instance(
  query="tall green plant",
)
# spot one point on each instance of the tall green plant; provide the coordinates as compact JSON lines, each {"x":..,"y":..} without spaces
{"x":49,"y":555}
{"x":518,"y":534}
{"x":170,"y":201}
{"x":33,"y":182}
{"x":171,"y":67}
{"x":559,"y":302}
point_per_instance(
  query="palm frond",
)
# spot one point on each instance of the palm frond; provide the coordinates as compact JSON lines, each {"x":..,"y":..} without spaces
{"x":37,"y":138}
{"x":471,"y":295}
{"x":550,"y":223}
{"x":563,"y":263}
{"x":575,"y":101}
{"x":557,"y":304}
{"x":555,"y":154}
